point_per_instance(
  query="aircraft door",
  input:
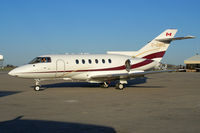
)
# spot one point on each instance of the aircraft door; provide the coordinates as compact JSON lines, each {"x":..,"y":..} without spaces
{"x":60,"y":68}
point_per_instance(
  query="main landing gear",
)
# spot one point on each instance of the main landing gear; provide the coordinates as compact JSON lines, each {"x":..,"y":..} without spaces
{"x":37,"y":85}
{"x":120,"y":85}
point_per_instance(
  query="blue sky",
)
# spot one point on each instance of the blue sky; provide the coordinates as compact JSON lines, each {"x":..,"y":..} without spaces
{"x":29,"y":28}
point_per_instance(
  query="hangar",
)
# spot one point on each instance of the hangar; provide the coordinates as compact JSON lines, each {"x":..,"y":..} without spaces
{"x":193,"y":63}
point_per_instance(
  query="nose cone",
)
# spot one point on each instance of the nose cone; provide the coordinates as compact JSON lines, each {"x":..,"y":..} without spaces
{"x":17,"y":72}
{"x":13,"y":72}
{"x":22,"y":71}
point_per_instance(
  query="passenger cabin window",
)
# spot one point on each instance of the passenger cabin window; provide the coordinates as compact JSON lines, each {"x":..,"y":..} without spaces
{"x":109,"y":60}
{"x":77,"y":61}
{"x":83,"y":61}
{"x":89,"y":61}
{"x":96,"y":61}
{"x":103,"y":61}
{"x":40,"y":60}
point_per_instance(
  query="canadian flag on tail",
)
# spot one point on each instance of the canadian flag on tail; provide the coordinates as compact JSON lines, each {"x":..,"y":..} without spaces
{"x":168,"y":34}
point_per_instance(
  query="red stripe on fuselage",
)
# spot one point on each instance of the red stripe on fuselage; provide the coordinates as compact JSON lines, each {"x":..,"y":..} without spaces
{"x":146,"y":62}
{"x":155,"y":55}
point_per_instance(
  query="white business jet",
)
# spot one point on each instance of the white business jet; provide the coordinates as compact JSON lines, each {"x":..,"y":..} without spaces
{"x":99,"y":68}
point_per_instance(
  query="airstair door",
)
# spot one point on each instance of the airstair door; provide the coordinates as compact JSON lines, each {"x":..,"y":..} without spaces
{"x":60,"y":68}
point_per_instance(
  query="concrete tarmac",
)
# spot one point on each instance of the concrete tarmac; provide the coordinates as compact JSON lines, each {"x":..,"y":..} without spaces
{"x":165,"y":103}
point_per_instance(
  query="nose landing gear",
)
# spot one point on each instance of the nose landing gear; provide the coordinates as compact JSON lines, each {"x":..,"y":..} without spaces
{"x":37,"y":85}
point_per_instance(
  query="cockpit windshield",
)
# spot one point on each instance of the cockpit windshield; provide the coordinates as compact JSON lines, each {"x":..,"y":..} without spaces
{"x":40,"y":60}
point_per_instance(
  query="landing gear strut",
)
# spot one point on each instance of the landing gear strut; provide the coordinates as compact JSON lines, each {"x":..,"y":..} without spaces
{"x":37,"y":85}
{"x":104,"y":85}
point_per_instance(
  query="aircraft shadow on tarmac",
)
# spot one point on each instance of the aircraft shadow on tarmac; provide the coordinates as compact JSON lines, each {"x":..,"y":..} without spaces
{"x":7,"y":93}
{"x":19,"y":125}
{"x":131,"y":83}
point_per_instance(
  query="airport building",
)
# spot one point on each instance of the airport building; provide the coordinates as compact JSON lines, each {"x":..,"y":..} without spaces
{"x":193,"y":63}
{"x":1,"y":61}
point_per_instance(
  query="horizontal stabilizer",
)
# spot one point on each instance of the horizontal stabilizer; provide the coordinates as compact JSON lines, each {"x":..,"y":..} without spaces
{"x":174,"y":38}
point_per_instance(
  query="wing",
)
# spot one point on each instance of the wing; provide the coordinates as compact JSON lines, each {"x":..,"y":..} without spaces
{"x":126,"y":76}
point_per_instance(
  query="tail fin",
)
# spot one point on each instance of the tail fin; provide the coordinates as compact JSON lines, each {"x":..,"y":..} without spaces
{"x":156,"y":48}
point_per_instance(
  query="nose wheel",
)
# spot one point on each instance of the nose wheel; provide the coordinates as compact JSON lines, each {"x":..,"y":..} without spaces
{"x":37,"y":85}
{"x":37,"y":88}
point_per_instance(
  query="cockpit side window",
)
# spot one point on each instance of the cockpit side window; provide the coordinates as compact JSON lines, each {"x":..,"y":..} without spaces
{"x":40,"y":60}
{"x":48,"y":59}
{"x":43,"y":59}
{"x":35,"y":60}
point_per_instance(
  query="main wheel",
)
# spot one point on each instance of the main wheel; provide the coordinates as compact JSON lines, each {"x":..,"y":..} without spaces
{"x":37,"y":88}
{"x":119,"y":86}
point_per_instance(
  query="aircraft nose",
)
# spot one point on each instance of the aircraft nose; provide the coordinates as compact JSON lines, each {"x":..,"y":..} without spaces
{"x":12,"y":73}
